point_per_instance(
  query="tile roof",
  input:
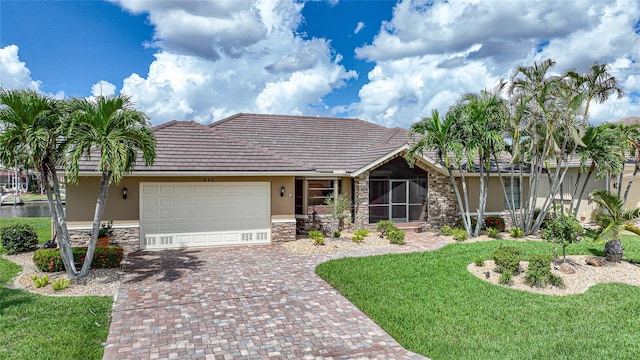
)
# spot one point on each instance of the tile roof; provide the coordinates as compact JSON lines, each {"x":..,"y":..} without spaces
{"x":269,"y":143}
{"x":326,"y":144}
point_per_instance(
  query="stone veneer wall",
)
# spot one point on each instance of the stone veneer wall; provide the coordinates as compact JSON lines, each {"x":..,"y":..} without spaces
{"x":283,"y":231}
{"x":128,"y":238}
{"x":442,"y":206}
{"x":361,"y":206}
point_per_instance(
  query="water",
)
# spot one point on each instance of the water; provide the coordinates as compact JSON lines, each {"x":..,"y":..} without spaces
{"x":35,"y":209}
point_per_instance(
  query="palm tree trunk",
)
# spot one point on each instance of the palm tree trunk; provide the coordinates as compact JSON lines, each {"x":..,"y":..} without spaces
{"x":100,"y":205}
{"x":633,"y":177}
{"x":465,"y":194}
{"x":584,"y":188}
{"x":459,"y":199}
{"x":59,"y":223}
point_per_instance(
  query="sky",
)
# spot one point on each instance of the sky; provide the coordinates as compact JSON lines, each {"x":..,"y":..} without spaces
{"x":388,"y":62}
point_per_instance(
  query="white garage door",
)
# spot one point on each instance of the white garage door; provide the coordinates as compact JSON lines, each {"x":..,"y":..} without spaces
{"x":204,"y":214}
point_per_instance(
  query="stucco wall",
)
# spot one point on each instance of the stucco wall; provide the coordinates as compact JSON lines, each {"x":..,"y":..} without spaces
{"x":495,"y":197}
{"x":633,"y":199}
{"x":586,"y":206}
{"x":81,"y":198}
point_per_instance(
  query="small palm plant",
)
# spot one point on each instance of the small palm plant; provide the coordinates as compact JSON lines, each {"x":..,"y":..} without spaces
{"x":612,"y":221}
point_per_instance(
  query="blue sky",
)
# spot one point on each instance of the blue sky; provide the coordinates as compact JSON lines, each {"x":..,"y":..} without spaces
{"x":383,"y":61}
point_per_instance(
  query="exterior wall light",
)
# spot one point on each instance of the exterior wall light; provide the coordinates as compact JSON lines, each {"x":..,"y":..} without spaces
{"x":282,"y":190}
{"x":124,"y":193}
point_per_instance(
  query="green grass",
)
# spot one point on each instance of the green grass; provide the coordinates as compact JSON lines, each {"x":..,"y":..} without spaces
{"x":42,"y":327}
{"x":41,"y":225}
{"x":432,"y":305}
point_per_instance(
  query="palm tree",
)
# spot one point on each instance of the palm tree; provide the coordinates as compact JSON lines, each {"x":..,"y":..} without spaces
{"x":601,"y":146}
{"x":112,"y":128}
{"x":595,"y":85}
{"x":31,"y":124}
{"x":612,"y":221}
{"x":480,"y":120}
{"x":436,"y":133}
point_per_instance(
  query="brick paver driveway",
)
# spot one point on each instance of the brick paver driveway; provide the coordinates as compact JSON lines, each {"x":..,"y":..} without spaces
{"x":243,"y":302}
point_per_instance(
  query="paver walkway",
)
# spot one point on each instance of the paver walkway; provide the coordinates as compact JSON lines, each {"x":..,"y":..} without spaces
{"x":243,"y":302}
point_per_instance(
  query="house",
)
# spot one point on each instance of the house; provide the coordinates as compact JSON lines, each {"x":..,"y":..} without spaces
{"x":259,"y":179}
{"x":256,"y":179}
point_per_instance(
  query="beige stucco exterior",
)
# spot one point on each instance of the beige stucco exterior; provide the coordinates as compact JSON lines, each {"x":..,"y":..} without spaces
{"x":586,"y":206}
{"x":81,"y":198}
{"x":495,"y":197}
{"x":633,"y":199}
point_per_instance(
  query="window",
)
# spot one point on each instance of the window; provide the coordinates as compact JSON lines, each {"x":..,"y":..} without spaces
{"x":512,"y":187}
{"x":318,"y":191}
{"x":566,"y":188}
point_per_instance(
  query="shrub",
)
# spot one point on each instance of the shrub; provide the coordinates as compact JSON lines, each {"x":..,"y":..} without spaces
{"x":492,"y":232}
{"x":507,"y":258}
{"x":460,"y":234}
{"x":49,"y":260}
{"x":556,"y":280}
{"x":538,"y":272}
{"x":479,"y":262}
{"x":359,"y":235}
{"x":317,"y":236}
{"x":446,"y":230}
{"x":40,"y":281}
{"x":496,"y":222}
{"x":60,"y":284}
{"x":383,"y":227}
{"x":506,"y":277}
{"x":563,"y":230}
{"x":18,"y":238}
{"x":474,"y":222}
{"x":516,"y":232}
{"x":396,"y":236}
{"x":337,"y":234}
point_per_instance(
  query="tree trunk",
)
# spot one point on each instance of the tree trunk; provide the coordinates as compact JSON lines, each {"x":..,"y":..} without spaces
{"x":633,"y":177}
{"x":614,"y":250}
{"x":59,"y":225}
{"x":584,"y":188}
{"x":459,"y":199}
{"x":100,"y":205}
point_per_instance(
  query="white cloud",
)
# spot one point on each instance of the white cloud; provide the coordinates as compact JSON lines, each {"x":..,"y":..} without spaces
{"x":432,"y":52}
{"x":103,"y":88}
{"x":359,"y":27}
{"x":14,"y":73}
{"x":220,"y":58}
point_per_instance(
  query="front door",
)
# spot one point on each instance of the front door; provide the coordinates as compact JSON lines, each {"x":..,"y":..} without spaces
{"x":399,"y":200}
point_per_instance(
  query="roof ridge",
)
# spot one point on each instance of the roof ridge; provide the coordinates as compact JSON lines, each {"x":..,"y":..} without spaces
{"x":390,"y":134}
{"x":283,"y":116}
{"x":222,"y":121}
{"x":262,"y":149}
{"x":165,"y":125}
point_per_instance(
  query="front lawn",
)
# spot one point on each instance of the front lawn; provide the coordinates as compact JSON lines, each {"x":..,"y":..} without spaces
{"x":43,"y":327}
{"x":41,"y":225}
{"x":432,"y":305}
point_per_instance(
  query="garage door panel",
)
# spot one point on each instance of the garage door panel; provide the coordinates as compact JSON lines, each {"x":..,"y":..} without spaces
{"x":196,"y":214}
{"x":166,"y":189}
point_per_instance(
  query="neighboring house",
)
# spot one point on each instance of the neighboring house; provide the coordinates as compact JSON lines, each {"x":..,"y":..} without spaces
{"x":254,"y":179}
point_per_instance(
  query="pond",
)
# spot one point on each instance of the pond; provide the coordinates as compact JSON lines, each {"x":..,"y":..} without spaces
{"x":34,"y":209}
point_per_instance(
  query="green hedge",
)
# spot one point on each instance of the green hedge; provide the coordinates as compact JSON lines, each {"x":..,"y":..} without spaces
{"x":49,"y":260}
{"x":18,"y":238}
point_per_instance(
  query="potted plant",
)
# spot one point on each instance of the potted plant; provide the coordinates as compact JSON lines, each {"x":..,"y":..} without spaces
{"x":104,"y":233}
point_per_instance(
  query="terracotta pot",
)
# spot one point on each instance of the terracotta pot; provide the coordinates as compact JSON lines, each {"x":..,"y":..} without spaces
{"x":103,"y":242}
